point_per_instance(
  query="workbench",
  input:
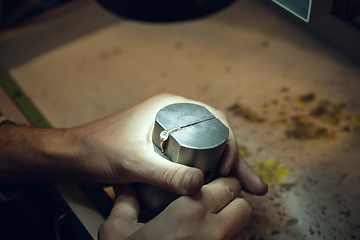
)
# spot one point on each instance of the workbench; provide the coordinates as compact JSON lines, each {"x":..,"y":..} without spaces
{"x":292,"y":99}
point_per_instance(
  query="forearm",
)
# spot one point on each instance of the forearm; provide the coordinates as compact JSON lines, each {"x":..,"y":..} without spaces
{"x":35,"y":154}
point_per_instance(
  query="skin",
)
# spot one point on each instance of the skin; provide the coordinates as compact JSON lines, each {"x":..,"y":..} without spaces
{"x":118,"y":149}
{"x":213,"y":213}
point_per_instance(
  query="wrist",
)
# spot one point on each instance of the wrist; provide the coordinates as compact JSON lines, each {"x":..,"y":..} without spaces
{"x":58,"y":155}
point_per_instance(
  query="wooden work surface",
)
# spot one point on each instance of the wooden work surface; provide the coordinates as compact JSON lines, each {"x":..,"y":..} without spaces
{"x":292,"y":100}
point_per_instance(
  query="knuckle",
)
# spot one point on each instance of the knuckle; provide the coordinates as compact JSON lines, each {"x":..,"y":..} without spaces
{"x":235,"y":186}
{"x":230,"y":192}
{"x":228,"y":186}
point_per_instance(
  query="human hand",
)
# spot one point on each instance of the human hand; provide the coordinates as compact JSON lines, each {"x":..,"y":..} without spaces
{"x":118,"y":149}
{"x":213,"y":213}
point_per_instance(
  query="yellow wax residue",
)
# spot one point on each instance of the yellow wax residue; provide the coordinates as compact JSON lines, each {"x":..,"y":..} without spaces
{"x":272,"y":172}
{"x":264,"y":106}
{"x":357,"y":119}
{"x":305,"y":99}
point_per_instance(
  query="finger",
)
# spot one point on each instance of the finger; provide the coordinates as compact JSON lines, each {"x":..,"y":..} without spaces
{"x":232,"y":159}
{"x":249,"y":179}
{"x":218,"y":193}
{"x":231,"y":154}
{"x":122,"y":221}
{"x":171,"y":176}
{"x":234,"y":217}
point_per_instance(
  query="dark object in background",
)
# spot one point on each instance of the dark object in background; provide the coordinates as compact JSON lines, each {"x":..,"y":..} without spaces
{"x":164,"y":10}
{"x":346,"y":9}
{"x":310,"y":10}
{"x":177,"y":10}
{"x":39,"y":212}
{"x":14,"y":12}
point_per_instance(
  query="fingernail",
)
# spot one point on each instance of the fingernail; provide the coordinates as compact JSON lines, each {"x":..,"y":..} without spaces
{"x":192,"y":181}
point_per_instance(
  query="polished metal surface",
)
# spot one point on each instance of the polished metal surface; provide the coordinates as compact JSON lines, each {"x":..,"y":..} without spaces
{"x":194,"y":137}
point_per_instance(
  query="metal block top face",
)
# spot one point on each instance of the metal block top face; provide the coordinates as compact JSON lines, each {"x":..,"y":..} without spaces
{"x":203,"y":135}
{"x":194,"y":136}
{"x":182,"y":114}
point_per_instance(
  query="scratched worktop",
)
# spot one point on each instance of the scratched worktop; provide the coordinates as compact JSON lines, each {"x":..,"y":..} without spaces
{"x":293,"y":102}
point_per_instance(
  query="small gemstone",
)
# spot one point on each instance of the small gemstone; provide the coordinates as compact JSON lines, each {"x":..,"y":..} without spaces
{"x":164,"y":135}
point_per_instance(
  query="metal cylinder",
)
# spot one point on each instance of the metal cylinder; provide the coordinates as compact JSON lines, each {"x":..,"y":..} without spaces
{"x":188,"y":134}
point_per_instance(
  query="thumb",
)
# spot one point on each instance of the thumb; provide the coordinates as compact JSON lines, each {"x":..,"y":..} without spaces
{"x":122,"y":221}
{"x":173,"y":177}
